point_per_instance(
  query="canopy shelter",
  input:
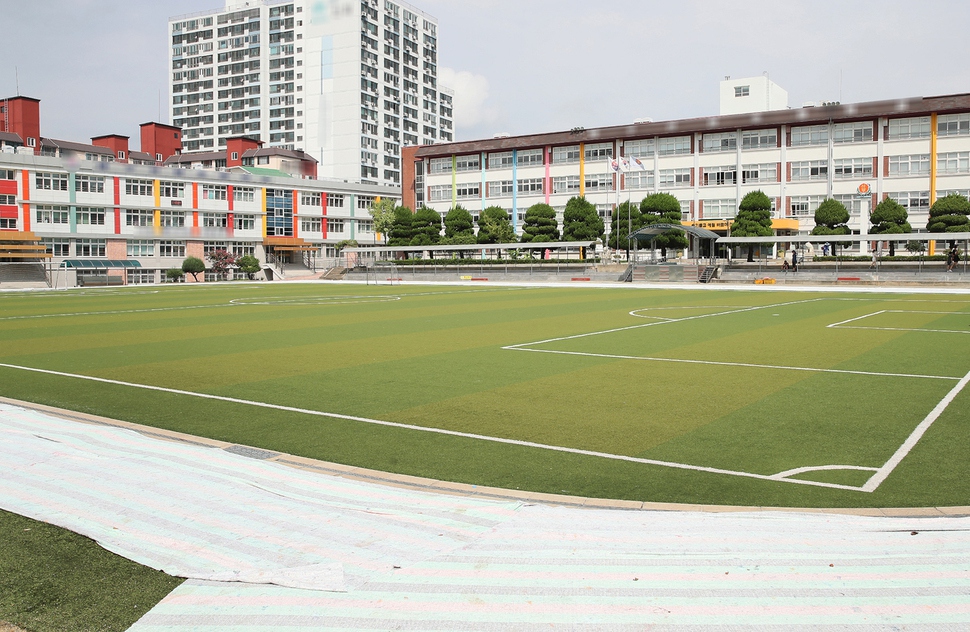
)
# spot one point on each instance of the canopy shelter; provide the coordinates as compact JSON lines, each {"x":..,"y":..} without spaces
{"x":22,"y":247}
{"x":652,"y":231}
{"x":99,"y":264}
{"x":288,"y":244}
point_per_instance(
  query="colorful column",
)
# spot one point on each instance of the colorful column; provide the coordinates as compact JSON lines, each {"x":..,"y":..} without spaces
{"x":265,"y":211}
{"x":72,"y":196}
{"x":157,"y":222}
{"x":515,"y":190}
{"x":117,"y":197}
{"x":231,"y":219}
{"x":25,"y":196}
{"x":296,"y":219}
{"x":324,"y":201}
{"x":454,"y":181}
{"x":934,"y":138}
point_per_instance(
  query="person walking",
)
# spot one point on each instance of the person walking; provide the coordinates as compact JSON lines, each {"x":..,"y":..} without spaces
{"x":794,"y":260}
{"x":952,"y":257}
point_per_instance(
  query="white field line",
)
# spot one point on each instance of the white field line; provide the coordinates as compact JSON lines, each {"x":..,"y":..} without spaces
{"x":930,"y":331}
{"x":852,"y":320}
{"x":873,"y":483}
{"x":118,"y":311}
{"x":453,"y":433}
{"x":667,"y":322}
{"x":735,"y":364}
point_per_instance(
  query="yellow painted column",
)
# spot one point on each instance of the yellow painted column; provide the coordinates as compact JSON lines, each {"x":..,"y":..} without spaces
{"x":582,"y":169}
{"x":934,"y":137}
{"x":157,"y":219}
{"x":263,"y":195}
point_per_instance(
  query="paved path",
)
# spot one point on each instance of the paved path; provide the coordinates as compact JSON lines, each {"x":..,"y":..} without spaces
{"x":269,"y":546}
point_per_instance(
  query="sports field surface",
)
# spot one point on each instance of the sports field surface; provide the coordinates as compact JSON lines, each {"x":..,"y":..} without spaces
{"x":716,"y":397}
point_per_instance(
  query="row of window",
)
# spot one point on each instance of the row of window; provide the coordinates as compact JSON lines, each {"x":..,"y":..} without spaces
{"x":917,"y":127}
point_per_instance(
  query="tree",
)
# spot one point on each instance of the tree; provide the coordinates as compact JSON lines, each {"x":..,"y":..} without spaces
{"x":383,"y":214}
{"x":753,"y":219}
{"x":222,"y":262}
{"x":540,"y":224}
{"x":459,"y":224}
{"x":832,"y":218}
{"x":401,"y":227}
{"x":494,"y":226}
{"x":174,"y":274}
{"x":889,"y":218}
{"x":664,"y":209}
{"x":193,"y":266}
{"x":626,"y":219}
{"x":346,"y":243}
{"x":248,"y":265}
{"x":426,"y":227}
{"x":581,"y":221}
{"x":950,"y":215}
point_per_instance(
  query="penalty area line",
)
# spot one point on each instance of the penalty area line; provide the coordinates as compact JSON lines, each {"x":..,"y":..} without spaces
{"x":441,"y":431}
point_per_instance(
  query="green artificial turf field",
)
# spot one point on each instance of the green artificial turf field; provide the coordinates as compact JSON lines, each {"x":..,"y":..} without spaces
{"x":725,"y":397}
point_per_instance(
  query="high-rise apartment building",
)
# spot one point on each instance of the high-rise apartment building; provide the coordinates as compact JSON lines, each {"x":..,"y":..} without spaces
{"x":350,"y":82}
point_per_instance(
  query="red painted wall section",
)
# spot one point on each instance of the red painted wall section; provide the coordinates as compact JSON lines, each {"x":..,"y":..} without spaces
{"x":296,"y":211}
{"x":24,"y":117}
{"x":9,"y":211}
{"x":160,"y":139}
{"x":323,"y":204}
{"x":239,"y":146}
{"x":114,"y":142}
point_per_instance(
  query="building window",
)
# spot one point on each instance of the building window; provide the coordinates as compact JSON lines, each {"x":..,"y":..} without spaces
{"x":503,"y":188}
{"x":913,"y":165}
{"x":716,"y":176}
{"x":810,"y":135}
{"x":440,"y":165}
{"x":8,"y":223}
{"x":953,"y":125}
{"x":90,"y":247}
{"x":727,"y":141}
{"x":58,"y":247}
{"x":244,"y":194}
{"x":639,"y":180}
{"x":759,"y":139}
{"x":335,"y":200}
{"x":88,"y":184}
{"x":439,"y":192}
{"x":742,"y":91}
{"x":139,"y":187}
{"x":599,"y":182}
{"x":212,"y":192}
{"x":53,"y":215}
{"x":916,"y":127}
{"x":530,"y":157}
{"x":639,"y":148}
{"x":598,"y":151}
{"x":674,"y":145}
{"x":173,"y":219}
{"x":675,"y":177}
{"x":172,"y":189}
{"x":365,"y":226}
{"x":469,"y":190}
{"x":531,"y":186}
{"x":311,"y":224}
{"x":913,"y":200}
{"x":720,"y":209}
{"x":7,"y":174}
{"x":468,"y":163}
{"x":310,"y":199}
{"x":810,"y":170}
{"x":853,"y":167}
{"x":565,"y":155}
{"x":953,"y":162}
{"x":90,"y":216}
{"x":565,"y":184}
{"x":172,"y":249}
{"x":139,"y":218}
{"x":8,"y":200}
{"x":752,"y":174}
{"x":365,"y":202}
{"x":244,"y":222}
{"x":860,"y":132}
{"x":51,"y":181}
{"x":501,"y":160}
{"x":215,"y":220}
{"x":141,"y":248}
{"x":803,"y":205}
{"x":335,"y":225}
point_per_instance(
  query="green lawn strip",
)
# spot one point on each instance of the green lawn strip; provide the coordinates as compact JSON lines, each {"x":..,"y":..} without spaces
{"x":455,"y":458}
{"x":54,"y":580}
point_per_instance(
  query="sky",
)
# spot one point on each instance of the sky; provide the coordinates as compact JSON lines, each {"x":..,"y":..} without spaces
{"x":525,"y":66}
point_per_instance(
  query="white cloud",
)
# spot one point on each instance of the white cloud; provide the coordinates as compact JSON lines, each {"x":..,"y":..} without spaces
{"x":471,"y":97}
